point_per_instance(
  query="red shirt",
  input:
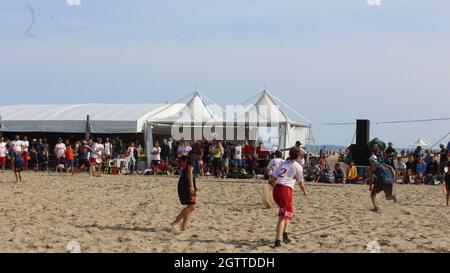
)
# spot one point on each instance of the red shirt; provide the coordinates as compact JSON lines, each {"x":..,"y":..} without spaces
{"x":261,"y":152}
{"x":69,"y":154}
{"x":248,"y":150}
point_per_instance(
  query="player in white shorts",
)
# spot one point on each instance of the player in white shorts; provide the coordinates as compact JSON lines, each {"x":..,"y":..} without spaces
{"x":283,"y":179}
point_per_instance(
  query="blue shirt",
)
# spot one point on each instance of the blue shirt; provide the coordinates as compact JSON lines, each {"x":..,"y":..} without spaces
{"x":384,"y":174}
{"x":421,"y":167}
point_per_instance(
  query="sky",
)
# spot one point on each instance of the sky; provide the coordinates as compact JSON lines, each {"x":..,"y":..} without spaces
{"x":332,"y":61}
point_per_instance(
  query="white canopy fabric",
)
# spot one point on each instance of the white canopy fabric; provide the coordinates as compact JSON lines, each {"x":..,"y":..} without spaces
{"x":194,"y":111}
{"x":420,"y":142}
{"x":104,"y":118}
{"x":267,"y":111}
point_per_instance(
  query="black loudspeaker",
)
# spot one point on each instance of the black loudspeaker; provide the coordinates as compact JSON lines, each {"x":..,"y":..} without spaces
{"x":360,"y":154}
{"x":362,"y":132}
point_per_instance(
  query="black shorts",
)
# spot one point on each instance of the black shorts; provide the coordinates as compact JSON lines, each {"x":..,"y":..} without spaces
{"x":155,"y":162}
{"x":379,"y":187}
{"x":84,"y":162}
{"x":18,"y":168}
{"x":183,"y":192}
{"x":447,"y":186}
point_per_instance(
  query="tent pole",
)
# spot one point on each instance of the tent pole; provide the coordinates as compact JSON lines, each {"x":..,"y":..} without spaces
{"x":88,"y":128}
{"x":288,"y":107}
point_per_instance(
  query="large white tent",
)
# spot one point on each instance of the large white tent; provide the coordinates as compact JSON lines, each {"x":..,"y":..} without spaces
{"x":103,"y":118}
{"x":199,"y":114}
{"x":268,"y":112}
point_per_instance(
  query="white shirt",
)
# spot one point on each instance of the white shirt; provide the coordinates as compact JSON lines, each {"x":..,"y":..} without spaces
{"x":2,"y":149}
{"x":184,"y":150}
{"x":156,"y":154}
{"x":16,"y":146}
{"x":99,"y":149}
{"x":238,"y":152}
{"x":131,"y":151}
{"x":60,"y":150}
{"x":108,"y":148}
{"x":25,"y":145}
{"x":274,"y":164}
{"x":301,"y":159}
{"x":400,"y":166}
{"x":288,"y":173}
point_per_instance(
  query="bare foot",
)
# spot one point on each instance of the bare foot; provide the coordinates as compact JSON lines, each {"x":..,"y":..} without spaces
{"x":175,"y":228}
{"x":184,"y":228}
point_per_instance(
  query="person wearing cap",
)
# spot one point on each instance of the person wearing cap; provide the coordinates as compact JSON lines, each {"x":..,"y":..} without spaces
{"x":381,"y":178}
{"x":301,"y":159}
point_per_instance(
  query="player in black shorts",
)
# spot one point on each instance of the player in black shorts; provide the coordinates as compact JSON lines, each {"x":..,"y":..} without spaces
{"x":381,"y":179}
{"x":187,"y":188}
{"x":446,"y":181}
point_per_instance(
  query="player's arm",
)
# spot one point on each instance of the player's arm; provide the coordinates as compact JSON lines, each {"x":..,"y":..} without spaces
{"x":302,"y":186}
{"x":275,"y":173}
{"x":272,"y":180}
{"x":370,"y":178}
{"x":190,"y":173}
{"x":301,"y":180}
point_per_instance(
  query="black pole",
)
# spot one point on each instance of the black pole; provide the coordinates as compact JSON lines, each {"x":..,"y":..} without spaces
{"x":88,"y":128}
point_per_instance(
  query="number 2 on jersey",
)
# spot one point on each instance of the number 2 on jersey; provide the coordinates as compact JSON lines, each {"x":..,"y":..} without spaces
{"x":282,"y":172}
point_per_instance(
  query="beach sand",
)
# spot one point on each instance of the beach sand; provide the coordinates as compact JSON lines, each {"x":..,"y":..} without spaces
{"x":133,"y":214}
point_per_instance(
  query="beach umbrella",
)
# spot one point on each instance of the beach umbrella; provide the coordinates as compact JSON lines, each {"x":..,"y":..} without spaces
{"x":420,"y":142}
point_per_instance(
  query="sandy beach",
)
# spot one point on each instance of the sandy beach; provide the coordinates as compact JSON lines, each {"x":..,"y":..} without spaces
{"x":133,"y":214}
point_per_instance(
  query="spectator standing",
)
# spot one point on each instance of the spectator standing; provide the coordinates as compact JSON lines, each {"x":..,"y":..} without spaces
{"x":237,"y":157}
{"x":442,"y":158}
{"x":17,"y":145}
{"x":3,"y":152}
{"x":60,"y":152}
{"x":25,"y":147}
{"x":155,"y":157}
{"x":109,"y":149}
{"x":132,"y":160}
{"x":390,"y":155}
{"x":165,"y":151}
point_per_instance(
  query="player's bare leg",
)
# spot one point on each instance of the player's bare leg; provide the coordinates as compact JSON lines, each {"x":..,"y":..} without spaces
{"x":187,"y":217}
{"x":280,"y":229}
{"x":374,"y":202}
